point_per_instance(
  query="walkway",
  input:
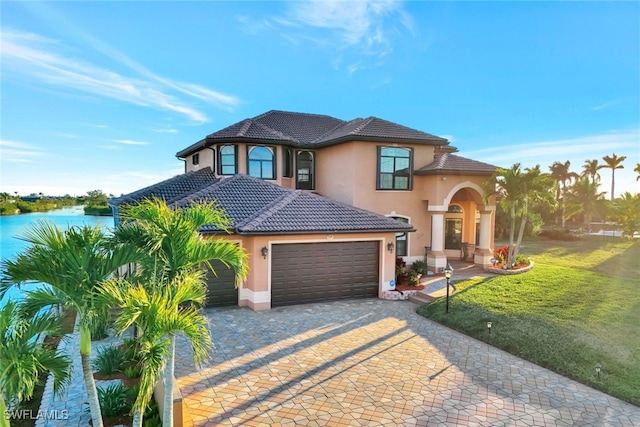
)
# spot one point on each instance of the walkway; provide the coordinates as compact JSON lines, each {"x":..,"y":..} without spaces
{"x":374,"y":362}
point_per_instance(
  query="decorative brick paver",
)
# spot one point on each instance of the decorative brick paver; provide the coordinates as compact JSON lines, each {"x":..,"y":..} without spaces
{"x":373,"y":362}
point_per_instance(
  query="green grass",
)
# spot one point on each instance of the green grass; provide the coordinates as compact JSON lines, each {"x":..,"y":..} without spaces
{"x":579,"y":307}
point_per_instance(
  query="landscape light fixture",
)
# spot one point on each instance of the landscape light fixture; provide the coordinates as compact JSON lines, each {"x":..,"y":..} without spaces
{"x":390,"y":246}
{"x":489,"y":325}
{"x":598,"y":368}
{"x":264,"y":251}
{"x":448,"y":271}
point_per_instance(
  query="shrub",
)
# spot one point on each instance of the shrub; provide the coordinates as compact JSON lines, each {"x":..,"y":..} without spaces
{"x":400,"y":265}
{"x":420,"y":267}
{"x":113,"y":400}
{"x":563,"y":234}
{"x":414,"y":277}
{"x":130,"y":348}
{"x":132,"y":392}
{"x":132,"y":372}
{"x":522,"y":259}
{"x":109,"y":360}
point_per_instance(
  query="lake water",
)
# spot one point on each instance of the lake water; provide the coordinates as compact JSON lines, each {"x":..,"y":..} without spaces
{"x":12,"y":226}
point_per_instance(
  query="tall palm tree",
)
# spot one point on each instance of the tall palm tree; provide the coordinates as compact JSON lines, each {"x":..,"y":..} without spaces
{"x":637,"y":170}
{"x":561,"y":173}
{"x":585,"y":198}
{"x":613,"y":162}
{"x":518,"y":190}
{"x":160,"y":312}
{"x":23,"y":360}
{"x":73,"y":263}
{"x":590,"y":169}
{"x":175,"y":251}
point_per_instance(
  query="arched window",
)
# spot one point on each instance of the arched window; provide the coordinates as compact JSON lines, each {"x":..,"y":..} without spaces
{"x":454,"y":209}
{"x":304,"y":171}
{"x":261,"y":164}
{"x":394,"y":168}
{"x":228,"y":160}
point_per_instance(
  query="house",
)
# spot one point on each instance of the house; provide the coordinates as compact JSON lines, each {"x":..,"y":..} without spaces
{"x":323,"y":206}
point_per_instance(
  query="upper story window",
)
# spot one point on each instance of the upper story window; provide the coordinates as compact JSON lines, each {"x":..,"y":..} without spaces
{"x":228,"y":160}
{"x":304,"y":171}
{"x":394,"y":168}
{"x":195,"y":159}
{"x":261,"y":163}
{"x":287,"y":162}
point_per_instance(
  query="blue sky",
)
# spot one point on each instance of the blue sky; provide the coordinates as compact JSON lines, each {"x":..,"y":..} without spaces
{"x":101,"y":95}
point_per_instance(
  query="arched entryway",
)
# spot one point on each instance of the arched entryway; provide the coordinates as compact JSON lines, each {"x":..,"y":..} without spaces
{"x":461,"y":227}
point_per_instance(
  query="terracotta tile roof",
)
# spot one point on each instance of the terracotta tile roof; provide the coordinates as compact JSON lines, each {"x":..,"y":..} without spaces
{"x":258,"y":207}
{"x":312,"y":130}
{"x":455,"y":165}
{"x":171,"y":189}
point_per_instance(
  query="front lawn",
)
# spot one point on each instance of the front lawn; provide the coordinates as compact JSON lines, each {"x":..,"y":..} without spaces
{"x":579,"y":307}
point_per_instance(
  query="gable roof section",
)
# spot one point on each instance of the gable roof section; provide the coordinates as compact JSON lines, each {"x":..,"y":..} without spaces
{"x":312,"y":130}
{"x":171,"y":189}
{"x":452,"y":164}
{"x":258,"y":207}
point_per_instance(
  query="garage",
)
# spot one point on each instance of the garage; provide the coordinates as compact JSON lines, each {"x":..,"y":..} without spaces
{"x":221,"y":290}
{"x":313,"y":272}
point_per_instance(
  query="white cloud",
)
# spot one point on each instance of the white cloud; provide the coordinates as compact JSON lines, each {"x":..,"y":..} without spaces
{"x":33,"y":55}
{"x":18,"y":152}
{"x":130,"y":142}
{"x":364,"y":27}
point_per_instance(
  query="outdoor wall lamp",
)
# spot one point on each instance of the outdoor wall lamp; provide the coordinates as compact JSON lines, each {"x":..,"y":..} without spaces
{"x":264,"y":251}
{"x":390,"y":246}
{"x":448,"y":271}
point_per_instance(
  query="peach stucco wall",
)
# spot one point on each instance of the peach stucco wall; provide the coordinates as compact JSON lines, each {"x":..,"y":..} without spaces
{"x":255,"y":292}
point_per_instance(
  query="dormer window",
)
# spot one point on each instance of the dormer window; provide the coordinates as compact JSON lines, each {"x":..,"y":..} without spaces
{"x":261,"y":162}
{"x":394,"y":168}
{"x":228,"y":160}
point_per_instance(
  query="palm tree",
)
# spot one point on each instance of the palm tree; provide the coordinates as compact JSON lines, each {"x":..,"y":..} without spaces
{"x":613,"y":162}
{"x":585,"y":198}
{"x":72,"y":263}
{"x":560,"y":172}
{"x":626,"y":212}
{"x":175,"y":255}
{"x":160,"y":312}
{"x":518,"y":191}
{"x":637,"y":170}
{"x":23,"y":359}
{"x":590,"y":169}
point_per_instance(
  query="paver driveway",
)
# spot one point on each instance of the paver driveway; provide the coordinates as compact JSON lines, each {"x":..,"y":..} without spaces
{"x":374,"y":362}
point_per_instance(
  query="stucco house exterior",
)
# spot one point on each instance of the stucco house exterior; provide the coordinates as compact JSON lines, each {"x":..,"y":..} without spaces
{"x":323,"y":206}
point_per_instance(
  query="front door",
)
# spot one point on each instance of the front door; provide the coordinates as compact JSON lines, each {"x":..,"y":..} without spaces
{"x":453,"y":233}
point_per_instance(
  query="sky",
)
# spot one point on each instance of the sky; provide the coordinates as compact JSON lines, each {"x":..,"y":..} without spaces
{"x":101,"y":95}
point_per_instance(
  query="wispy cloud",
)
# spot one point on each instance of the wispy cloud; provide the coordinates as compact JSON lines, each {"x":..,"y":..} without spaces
{"x":18,"y":152}
{"x":45,"y":60}
{"x":130,"y":142}
{"x":365,"y":27}
{"x":574,"y":149}
{"x":167,"y":130}
{"x":604,"y":105}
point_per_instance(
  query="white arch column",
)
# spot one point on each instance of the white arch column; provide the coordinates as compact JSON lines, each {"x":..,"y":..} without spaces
{"x":436,"y":257}
{"x":484,"y":252}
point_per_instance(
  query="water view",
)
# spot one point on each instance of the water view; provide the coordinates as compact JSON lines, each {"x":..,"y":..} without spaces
{"x":13,"y":226}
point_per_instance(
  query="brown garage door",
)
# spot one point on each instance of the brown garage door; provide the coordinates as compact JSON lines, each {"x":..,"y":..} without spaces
{"x":313,"y":272}
{"x":221,"y":290}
